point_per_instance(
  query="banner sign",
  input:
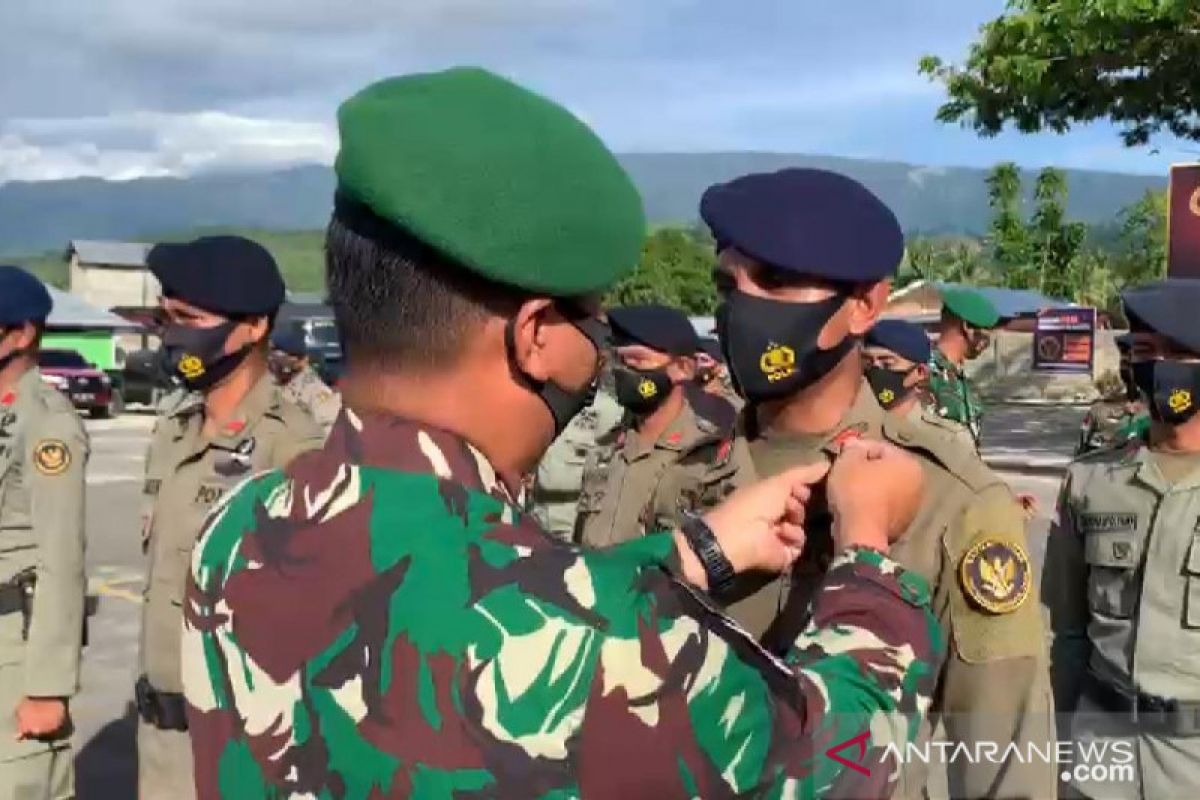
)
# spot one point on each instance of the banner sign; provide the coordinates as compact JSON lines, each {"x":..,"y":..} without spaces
{"x":1064,"y":341}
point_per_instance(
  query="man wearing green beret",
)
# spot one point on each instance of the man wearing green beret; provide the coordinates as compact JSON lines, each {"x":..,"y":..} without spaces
{"x":967,"y":318}
{"x":380,"y":619}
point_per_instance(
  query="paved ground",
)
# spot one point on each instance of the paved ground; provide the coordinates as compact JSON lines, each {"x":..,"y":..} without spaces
{"x":104,"y":738}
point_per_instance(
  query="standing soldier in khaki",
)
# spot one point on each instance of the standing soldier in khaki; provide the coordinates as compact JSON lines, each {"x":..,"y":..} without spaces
{"x":300,"y":382}
{"x":43,"y":452}
{"x":805,"y":270}
{"x":674,"y":452}
{"x":220,"y":295}
{"x":967,"y":316}
{"x":1123,"y":568}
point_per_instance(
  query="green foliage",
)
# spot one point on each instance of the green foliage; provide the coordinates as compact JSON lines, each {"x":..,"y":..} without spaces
{"x":676,"y":269}
{"x":1048,"y":64}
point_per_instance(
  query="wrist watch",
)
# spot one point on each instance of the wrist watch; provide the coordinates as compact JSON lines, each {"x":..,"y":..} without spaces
{"x":704,"y":544}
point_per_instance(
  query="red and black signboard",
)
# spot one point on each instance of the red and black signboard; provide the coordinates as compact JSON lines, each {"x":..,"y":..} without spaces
{"x":1064,"y":341}
{"x":1183,"y":222}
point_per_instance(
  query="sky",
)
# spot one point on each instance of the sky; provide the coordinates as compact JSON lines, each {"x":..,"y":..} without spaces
{"x":123,"y":89}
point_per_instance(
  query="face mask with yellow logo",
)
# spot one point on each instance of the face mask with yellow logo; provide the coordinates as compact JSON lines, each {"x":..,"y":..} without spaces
{"x":888,"y":385}
{"x":197,"y":355}
{"x":771,"y":345}
{"x":641,"y":390}
{"x":1171,"y":388}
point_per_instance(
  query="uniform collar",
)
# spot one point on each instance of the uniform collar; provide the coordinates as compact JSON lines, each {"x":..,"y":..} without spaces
{"x":26,"y":386}
{"x":685,"y":433}
{"x":386,"y":441}
{"x":1148,"y":472}
{"x":864,"y":418}
{"x":262,"y":399}
{"x":939,"y":360}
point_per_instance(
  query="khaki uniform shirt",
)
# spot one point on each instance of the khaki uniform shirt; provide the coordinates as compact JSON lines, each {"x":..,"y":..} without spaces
{"x":631,"y":488}
{"x":555,"y":495}
{"x":186,"y":475}
{"x":307,"y":390}
{"x":43,"y":456}
{"x":968,"y":540}
{"x":1123,"y":592}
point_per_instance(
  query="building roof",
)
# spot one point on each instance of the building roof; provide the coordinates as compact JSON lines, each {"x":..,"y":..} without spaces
{"x":130,"y":255}
{"x":1010,"y":303}
{"x":72,"y":311}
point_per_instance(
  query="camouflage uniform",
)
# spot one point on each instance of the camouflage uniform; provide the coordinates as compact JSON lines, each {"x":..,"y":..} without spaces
{"x":381,"y":620}
{"x":307,"y":390}
{"x":1111,"y":423}
{"x":187,"y":473}
{"x":43,"y":454}
{"x":968,"y":521}
{"x":953,"y":396}
{"x":555,"y":494}
{"x":631,"y":488}
{"x":1123,"y":592}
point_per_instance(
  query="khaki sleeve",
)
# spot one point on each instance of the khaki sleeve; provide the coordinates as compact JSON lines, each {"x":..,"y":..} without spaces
{"x":56,"y":459}
{"x":995,"y":686}
{"x":301,"y":433}
{"x":1065,"y":596}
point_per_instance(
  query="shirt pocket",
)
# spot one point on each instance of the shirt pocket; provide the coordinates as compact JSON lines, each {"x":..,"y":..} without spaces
{"x":1191,"y":569}
{"x":1112,"y":559}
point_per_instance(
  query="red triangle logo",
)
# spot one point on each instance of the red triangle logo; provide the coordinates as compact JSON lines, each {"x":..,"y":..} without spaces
{"x":860,"y":742}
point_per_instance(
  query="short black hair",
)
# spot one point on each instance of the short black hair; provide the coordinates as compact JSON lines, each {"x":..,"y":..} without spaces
{"x":398,"y":302}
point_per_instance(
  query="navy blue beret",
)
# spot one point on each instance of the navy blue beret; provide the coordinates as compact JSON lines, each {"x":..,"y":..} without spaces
{"x":23,"y":298}
{"x":658,"y":327}
{"x":1167,"y":307}
{"x":903,"y":338}
{"x":289,"y":341}
{"x":227,"y":275}
{"x":808,"y":221}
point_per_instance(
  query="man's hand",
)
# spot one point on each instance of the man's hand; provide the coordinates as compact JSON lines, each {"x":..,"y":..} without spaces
{"x":759,"y":527}
{"x":874,"y":493}
{"x":40,"y":717}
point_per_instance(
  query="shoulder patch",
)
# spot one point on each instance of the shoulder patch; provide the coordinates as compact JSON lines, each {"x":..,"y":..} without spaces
{"x":996,"y":575}
{"x":51,"y":457}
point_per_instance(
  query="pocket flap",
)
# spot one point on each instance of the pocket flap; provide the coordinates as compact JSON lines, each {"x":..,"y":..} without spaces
{"x":1120,"y":549}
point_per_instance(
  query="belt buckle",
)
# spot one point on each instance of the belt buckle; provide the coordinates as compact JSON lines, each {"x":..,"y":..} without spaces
{"x":1155,"y":710}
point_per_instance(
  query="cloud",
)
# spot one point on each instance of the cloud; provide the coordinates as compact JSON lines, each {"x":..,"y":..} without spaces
{"x":155,"y":144}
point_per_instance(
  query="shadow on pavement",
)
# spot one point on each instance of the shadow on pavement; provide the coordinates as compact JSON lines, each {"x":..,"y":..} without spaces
{"x":106,"y":767}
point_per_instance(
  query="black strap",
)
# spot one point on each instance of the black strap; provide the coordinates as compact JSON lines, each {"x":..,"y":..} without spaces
{"x":1149,"y":712}
{"x":11,"y":599}
{"x":163,"y":710}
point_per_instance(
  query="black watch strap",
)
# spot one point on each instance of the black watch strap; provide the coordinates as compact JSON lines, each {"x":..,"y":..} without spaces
{"x":704,"y":544}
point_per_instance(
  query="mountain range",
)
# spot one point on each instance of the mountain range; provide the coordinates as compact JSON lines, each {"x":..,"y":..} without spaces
{"x":41,"y":216}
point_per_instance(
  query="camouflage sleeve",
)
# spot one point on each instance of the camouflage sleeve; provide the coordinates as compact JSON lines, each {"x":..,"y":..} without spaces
{"x":1065,"y":595}
{"x":466,"y":656}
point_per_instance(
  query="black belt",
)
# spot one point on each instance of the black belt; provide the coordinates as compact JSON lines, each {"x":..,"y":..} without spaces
{"x":164,"y":710}
{"x":1147,"y":711}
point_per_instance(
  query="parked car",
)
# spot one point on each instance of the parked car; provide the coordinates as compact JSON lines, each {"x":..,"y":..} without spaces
{"x":145,"y":378}
{"x":87,"y":387}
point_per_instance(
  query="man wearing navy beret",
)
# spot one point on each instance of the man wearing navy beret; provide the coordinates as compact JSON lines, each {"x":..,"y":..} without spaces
{"x":219,"y":299}
{"x":43,"y":455}
{"x":674,"y":452}
{"x":293,"y":369}
{"x":805,"y":262}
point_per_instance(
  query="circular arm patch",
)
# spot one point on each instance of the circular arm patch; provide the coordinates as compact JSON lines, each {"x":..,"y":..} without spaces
{"x":51,"y":457}
{"x":996,"y":575}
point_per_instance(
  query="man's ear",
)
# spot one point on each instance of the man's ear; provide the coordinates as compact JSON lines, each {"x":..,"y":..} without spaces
{"x":866,"y":305}
{"x":529,"y":333}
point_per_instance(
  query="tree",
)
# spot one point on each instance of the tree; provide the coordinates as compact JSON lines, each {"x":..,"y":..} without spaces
{"x":675,"y":269}
{"x":1007,"y":234}
{"x":1142,"y":243}
{"x":1049,"y":64}
{"x":1056,"y":243}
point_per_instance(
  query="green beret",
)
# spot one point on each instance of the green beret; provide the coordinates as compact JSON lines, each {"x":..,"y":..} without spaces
{"x":970,"y":306}
{"x":502,"y":181}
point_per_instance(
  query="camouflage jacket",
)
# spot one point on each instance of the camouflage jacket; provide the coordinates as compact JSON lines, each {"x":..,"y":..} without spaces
{"x":1111,"y":423}
{"x":380,"y":620}
{"x":953,"y":397}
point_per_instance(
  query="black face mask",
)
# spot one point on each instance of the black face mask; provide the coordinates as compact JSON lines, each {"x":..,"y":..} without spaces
{"x":564,"y":404}
{"x":1171,"y":389}
{"x":888,"y":385}
{"x":771,"y":345}
{"x":197,"y":355}
{"x":641,"y":390}
{"x":284,"y":368}
{"x":1126,"y":373}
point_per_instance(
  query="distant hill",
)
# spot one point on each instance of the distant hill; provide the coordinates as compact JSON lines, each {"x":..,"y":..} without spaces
{"x":36,"y":217}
